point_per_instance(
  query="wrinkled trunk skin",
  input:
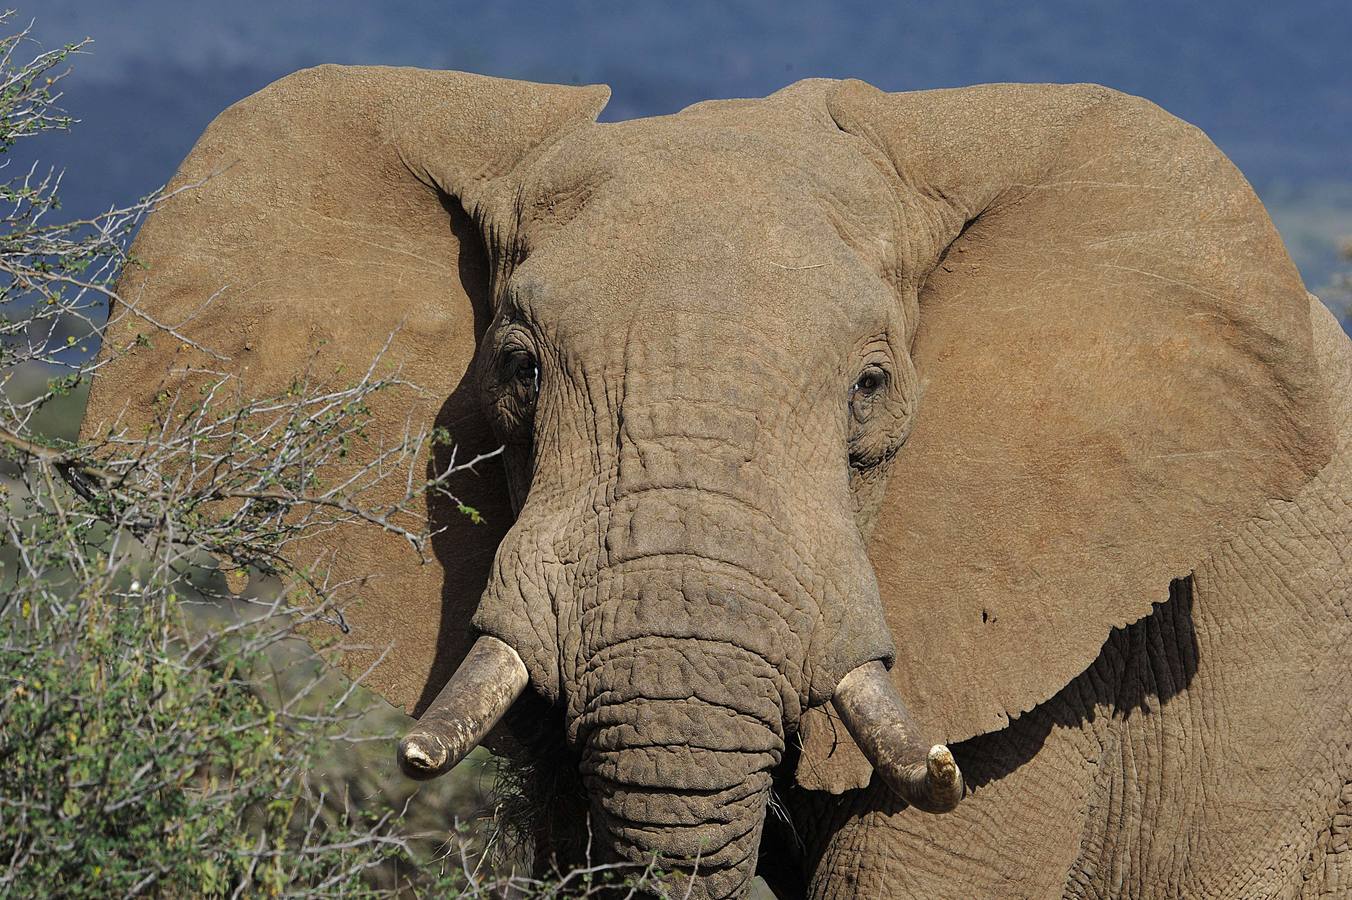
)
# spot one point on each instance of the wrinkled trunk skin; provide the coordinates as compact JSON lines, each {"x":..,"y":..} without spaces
{"x":678,"y":710}
{"x":680,"y":627}
{"x":686,"y":674}
{"x":683,"y":779}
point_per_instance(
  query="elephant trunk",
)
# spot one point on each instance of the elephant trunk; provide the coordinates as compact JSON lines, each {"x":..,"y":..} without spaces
{"x":677,"y":750}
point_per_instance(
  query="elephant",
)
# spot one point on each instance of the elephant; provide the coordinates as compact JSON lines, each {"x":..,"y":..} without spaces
{"x":925,"y":494}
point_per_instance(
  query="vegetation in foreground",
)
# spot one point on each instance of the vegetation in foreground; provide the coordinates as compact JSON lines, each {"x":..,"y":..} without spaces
{"x":160,"y":735}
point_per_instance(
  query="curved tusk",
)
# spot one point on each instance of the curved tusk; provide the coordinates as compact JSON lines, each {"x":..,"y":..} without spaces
{"x":475,"y":698}
{"x":880,"y":724}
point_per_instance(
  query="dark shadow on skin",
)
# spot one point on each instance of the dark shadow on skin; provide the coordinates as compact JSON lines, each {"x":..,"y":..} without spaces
{"x":782,"y":848}
{"x":540,"y":790}
{"x":1154,"y":658}
{"x":465,"y":550}
{"x":1141,"y":666}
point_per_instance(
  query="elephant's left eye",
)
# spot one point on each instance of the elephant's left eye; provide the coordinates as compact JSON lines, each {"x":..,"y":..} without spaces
{"x":869,"y":383}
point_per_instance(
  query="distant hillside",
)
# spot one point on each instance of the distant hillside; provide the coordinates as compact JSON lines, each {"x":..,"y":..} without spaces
{"x":1313,"y":220}
{"x":1268,"y":82}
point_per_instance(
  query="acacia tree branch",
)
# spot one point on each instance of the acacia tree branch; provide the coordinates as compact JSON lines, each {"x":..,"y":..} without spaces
{"x":136,"y":688}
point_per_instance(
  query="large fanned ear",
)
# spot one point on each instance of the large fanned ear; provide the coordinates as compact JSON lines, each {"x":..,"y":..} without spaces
{"x":1116,"y":357}
{"x":318,"y":232}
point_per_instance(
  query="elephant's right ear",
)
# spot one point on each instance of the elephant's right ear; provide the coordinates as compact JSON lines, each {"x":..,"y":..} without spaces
{"x":1116,"y":353}
{"x":320,"y":229}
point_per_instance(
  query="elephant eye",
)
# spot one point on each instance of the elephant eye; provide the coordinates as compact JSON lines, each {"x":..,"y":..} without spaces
{"x":871,"y":383}
{"x":867,"y":388}
{"x":521,"y":371}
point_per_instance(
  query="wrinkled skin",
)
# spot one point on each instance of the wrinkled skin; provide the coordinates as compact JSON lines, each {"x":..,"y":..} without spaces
{"x":687,"y":495}
{"x":958,"y":381}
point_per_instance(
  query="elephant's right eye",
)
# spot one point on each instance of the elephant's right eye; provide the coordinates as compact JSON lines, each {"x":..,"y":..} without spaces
{"x":521,"y":372}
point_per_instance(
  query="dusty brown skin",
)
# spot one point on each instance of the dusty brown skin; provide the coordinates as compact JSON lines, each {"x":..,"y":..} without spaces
{"x":958,"y":381}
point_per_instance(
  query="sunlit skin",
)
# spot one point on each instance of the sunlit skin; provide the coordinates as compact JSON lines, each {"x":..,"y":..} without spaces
{"x":958,"y":467}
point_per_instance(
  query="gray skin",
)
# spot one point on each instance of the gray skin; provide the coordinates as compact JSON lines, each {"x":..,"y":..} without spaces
{"x":952,"y":382}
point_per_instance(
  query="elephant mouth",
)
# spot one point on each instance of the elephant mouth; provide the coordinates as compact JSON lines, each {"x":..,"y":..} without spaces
{"x":678,"y":749}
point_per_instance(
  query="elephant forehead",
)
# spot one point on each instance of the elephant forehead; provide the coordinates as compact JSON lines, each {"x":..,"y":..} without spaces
{"x":722,"y":226}
{"x":747,"y":164}
{"x":690,"y":282}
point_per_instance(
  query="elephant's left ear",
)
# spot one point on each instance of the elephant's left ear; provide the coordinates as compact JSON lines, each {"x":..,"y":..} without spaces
{"x":1116,"y":352}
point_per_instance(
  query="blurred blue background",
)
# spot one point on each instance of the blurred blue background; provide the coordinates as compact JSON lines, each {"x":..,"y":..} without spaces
{"x":1269,"y":82}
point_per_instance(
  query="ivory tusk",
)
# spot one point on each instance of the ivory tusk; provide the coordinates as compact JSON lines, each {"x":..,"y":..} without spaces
{"x":475,"y":698}
{"x":877,"y":719}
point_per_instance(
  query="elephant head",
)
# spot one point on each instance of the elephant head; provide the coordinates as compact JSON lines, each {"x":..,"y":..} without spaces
{"x":810,"y":404}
